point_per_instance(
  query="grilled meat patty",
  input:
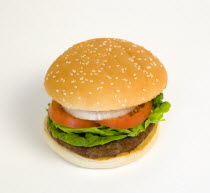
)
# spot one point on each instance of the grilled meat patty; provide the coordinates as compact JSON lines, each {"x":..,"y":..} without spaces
{"x":110,"y":149}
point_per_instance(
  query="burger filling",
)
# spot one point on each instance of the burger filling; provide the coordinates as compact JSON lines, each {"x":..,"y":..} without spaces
{"x":112,"y":148}
{"x":110,"y":136}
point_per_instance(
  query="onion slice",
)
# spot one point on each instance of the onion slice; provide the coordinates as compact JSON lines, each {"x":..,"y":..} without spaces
{"x":98,"y":115}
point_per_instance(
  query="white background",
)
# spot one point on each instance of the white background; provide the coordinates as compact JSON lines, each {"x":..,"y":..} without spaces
{"x":34,"y":33}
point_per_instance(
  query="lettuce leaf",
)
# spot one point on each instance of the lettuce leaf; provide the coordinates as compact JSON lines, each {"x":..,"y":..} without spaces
{"x":159,"y":108}
{"x":93,"y":136}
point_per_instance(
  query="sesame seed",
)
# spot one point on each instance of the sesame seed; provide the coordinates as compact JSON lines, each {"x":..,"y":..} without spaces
{"x":117,"y":90}
{"x":153,"y":84}
{"x":74,"y":71}
{"x":90,"y":80}
{"x":118,"y":101}
{"x":98,"y":88}
{"x":97,"y":103}
{"x":145,"y":71}
{"x":134,"y":74}
{"x":111,"y":83}
{"x":75,"y":86}
{"x":116,"y":77}
{"x":73,"y":81}
{"x":109,"y":77}
{"x":123,"y":105}
{"x":148,"y":67}
{"x":71,"y":93}
{"x":54,"y":76}
{"x":57,"y":90}
{"x":101,"y":82}
{"x":135,"y":78}
{"x":131,"y":59}
{"x":90,"y":93}
{"x":145,"y":59}
{"x":144,"y":89}
{"x":139,"y":58}
{"x":156,"y":80}
{"x":150,"y":59}
{"x":64,"y":93}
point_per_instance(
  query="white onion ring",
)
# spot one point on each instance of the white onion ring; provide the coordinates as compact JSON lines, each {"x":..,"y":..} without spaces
{"x":98,"y":115}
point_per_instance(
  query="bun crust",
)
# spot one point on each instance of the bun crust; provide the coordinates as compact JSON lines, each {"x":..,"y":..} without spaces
{"x":121,"y":159}
{"x":105,"y":74}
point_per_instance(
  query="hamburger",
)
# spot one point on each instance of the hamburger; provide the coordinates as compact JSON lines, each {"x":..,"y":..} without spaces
{"x":106,"y":103}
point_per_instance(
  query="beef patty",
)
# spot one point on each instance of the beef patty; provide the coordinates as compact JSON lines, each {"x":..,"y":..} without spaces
{"x":110,"y":149}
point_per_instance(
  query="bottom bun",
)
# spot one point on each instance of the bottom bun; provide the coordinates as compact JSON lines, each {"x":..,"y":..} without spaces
{"x":107,"y":162}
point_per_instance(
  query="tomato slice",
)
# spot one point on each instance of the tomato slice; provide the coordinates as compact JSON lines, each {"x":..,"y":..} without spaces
{"x":132,"y":119}
{"x":57,"y":114}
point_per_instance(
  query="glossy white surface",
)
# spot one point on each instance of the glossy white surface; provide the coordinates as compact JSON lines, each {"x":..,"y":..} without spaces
{"x":33,"y":33}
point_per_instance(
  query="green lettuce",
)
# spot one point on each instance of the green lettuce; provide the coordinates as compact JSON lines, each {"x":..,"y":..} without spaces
{"x":93,"y":136}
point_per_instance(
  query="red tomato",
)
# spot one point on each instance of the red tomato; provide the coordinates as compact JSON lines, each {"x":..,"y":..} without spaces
{"x":57,"y":114}
{"x":132,"y":119}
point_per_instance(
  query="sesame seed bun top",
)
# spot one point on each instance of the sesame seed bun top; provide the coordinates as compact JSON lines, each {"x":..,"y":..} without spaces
{"x":105,"y":74}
